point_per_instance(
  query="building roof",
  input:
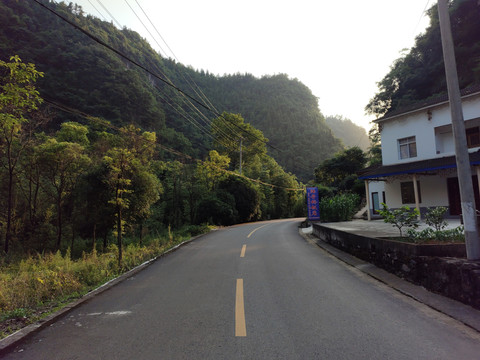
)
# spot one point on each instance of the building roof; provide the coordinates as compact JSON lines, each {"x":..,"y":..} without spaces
{"x":427,"y":103}
{"x":422,"y":166}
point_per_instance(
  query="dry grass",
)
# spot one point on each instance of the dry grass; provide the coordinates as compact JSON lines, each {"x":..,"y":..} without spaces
{"x":37,"y":285}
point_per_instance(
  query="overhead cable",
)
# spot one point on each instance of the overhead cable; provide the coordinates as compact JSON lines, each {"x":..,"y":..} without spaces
{"x":108,"y":12}
{"x":104,"y":18}
{"x":161,"y":146}
{"x":201,"y":95}
{"x":190,"y":104}
{"x":134,"y":62}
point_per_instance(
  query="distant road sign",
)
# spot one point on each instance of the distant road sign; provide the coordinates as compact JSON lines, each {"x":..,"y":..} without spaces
{"x":313,"y":203}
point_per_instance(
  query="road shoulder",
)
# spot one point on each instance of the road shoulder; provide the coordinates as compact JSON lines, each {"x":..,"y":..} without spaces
{"x":452,"y":308}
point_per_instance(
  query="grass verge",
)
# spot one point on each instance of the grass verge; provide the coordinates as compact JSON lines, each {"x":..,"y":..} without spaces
{"x":37,"y":286}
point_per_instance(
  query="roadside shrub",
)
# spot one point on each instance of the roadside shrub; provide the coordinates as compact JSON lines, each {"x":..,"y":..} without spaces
{"x":449,"y":235}
{"x":36,"y":281}
{"x":399,"y":218}
{"x":435,"y":217}
{"x":193,"y":230}
{"x":325,"y":191}
{"x":339,"y":208}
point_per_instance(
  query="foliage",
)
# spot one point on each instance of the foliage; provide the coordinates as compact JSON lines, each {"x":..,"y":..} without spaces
{"x":228,"y":130}
{"x":419,"y":73}
{"x":246,"y":197}
{"x":350,"y":133}
{"x":18,"y":97}
{"x":81,"y":181}
{"x":374,"y":153}
{"x":339,"y":208}
{"x":399,"y":218}
{"x":218,"y":209}
{"x":435,"y":218}
{"x":428,"y":234}
{"x":340,"y":171}
{"x":60,"y":165}
{"x":212,"y":170}
{"x":103,"y":85}
{"x":37,"y":281}
{"x":67,"y":181}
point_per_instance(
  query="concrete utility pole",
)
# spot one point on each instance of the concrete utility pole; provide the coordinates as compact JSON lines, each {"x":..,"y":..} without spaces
{"x":467,"y":197}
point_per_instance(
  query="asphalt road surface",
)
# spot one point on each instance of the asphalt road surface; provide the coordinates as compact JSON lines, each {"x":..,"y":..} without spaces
{"x":254,"y":291}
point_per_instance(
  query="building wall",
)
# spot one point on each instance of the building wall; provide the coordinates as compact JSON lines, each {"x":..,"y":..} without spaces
{"x":432,"y":129}
{"x":433,"y":192}
{"x":434,"y":138}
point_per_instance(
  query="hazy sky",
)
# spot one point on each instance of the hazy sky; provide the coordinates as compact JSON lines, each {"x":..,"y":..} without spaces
{"x":339,"y":49}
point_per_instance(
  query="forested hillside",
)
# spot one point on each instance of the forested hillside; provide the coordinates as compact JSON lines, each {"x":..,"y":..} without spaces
{"x":94,"y":150}
{"x":420,"y":74}
{"x":86,"y":76}
{"x":350,"y":133}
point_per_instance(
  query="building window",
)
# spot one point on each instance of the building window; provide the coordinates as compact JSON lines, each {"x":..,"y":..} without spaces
{"x":473,"y":137}
{"x":407,"y":147}
{"x":408,"y":193}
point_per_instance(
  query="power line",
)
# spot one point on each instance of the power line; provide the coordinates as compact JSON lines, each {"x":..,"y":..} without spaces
{"x":108,"y":12}
{"x":192,"y":106}
{"x":189,"y":103}
{"x":134,"y":62}
{"x":154,"y":143}
{"x":104,"y":18}
{"x":138,"y":17}
{"x":202,"y":95}
{"x":421,"y":16}
{"x":179,"y":109}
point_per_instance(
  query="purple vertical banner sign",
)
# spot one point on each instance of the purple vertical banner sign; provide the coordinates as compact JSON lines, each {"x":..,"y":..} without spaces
{"x":313,"y":203}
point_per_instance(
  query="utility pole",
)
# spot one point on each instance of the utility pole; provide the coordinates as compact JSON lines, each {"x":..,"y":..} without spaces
{"x":241,"y":143}
{"x":464,"y":172}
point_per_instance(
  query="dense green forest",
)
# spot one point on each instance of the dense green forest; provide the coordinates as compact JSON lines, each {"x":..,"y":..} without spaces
{"x":350,"y":133}
{"x":95,"y":179}
{"x":91,"y":152}
{"x":419,"y":74}
{"x":82,"y":74}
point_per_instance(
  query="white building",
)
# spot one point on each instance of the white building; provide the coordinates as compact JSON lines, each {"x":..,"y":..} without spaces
{"x":418,"y":156}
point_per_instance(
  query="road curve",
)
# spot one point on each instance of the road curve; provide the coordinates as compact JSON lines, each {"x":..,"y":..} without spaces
{"x":251,"y":291}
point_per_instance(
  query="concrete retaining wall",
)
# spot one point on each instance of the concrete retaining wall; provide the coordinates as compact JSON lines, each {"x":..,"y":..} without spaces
{"x":439,"y":268}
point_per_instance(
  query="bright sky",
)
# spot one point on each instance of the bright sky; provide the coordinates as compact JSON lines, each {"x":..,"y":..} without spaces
{"x":338,"y":48}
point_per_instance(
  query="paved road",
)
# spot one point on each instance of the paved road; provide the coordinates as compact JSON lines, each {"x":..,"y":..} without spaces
{"x":283,"y":299}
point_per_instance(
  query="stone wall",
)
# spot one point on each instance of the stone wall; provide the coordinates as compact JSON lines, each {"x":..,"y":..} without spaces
{"x":442,"y":269}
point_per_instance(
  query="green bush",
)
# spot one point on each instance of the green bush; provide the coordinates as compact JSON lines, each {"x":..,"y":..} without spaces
{"x":435,"y":217}
{"x":449,"y":235}
{"x":339,"y":208}
{"x":399,"y":218}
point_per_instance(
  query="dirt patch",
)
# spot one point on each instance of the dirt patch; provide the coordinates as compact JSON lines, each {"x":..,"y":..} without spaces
{"x":13,"y":324}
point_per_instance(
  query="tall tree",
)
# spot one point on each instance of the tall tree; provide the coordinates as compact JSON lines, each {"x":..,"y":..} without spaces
{"x":374,"y":153}
{"x":119,"y":162}
{"x":62,"y":163}
{"x":234,"y":137}
{"x":18,"y":97}
{"x":131,"y":180}
{"x":333,"y":171}
{"x":212,"y":170}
